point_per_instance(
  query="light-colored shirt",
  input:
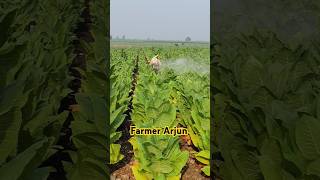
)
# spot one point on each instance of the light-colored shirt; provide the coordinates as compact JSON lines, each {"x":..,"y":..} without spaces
{"x":155,"y":63}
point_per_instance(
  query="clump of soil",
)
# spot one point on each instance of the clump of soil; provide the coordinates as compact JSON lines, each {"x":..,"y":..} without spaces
{"x":193,"y":171}
{"x":123,"y":173}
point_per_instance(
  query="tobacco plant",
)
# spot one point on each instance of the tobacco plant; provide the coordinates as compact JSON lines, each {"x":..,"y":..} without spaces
{"x":267,"y":109}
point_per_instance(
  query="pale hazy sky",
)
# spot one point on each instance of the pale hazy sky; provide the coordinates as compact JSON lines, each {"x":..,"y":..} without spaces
{"x":160,"y":19}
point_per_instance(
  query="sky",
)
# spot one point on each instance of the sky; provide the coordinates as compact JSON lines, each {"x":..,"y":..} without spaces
{"x":160,"y":19}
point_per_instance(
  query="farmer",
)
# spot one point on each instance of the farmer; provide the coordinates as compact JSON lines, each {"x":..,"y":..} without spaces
{"x":155,"y":63}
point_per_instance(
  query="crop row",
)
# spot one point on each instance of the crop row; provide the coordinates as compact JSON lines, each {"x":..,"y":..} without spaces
{"x":36,"y":49}
{"x":122,"y":66}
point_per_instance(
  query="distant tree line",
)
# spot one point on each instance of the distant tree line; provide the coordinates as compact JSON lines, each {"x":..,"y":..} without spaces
{"x":188,"y":39}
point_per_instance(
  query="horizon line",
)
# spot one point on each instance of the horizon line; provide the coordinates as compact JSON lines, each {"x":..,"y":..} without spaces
{"x":180,"y":41}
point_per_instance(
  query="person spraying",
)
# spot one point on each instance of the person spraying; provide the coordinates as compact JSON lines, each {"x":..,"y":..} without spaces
{"x":155,"y":63}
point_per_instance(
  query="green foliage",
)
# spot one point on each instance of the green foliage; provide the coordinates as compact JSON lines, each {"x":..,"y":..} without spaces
{"x":89,"y":137}
{"x":159,"y":100}
{"x":266,"y":108}
{"x":120,"y":86}
{"x":158,"y":157}
{"x":194,"y":111}
{"x":34,"y":42}
{"x":35,"y":54}
{"x":89,"y":126}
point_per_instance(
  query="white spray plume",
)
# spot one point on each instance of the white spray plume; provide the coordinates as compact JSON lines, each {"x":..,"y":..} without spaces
{"x":183,"y":65}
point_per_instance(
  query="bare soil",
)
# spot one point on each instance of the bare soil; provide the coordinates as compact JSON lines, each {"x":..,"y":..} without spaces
{"x":124,"y":173}
{"x":192,"y":170}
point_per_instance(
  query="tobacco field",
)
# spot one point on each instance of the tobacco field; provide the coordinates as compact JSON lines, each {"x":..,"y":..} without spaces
{"x":53,"y":98}
{"x":146,"y":99}
{"x":266,"y":109}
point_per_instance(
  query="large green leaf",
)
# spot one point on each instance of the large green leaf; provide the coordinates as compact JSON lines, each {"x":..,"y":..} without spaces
{"x":206,"y":170}
{"x":5,"y":24}
{"x":11,"y":96}
{"x":87,"y":169}
{"x":115,"y":155}
{"x":10,"y":123}
{"x":92,"y":110}
{"x":16,"y":167}
{"x":161,"y":167}
{"x":313,"y":168}
{"x":203,"y":157}
{"x":308,"y":137}
{"x":269,"y":168}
